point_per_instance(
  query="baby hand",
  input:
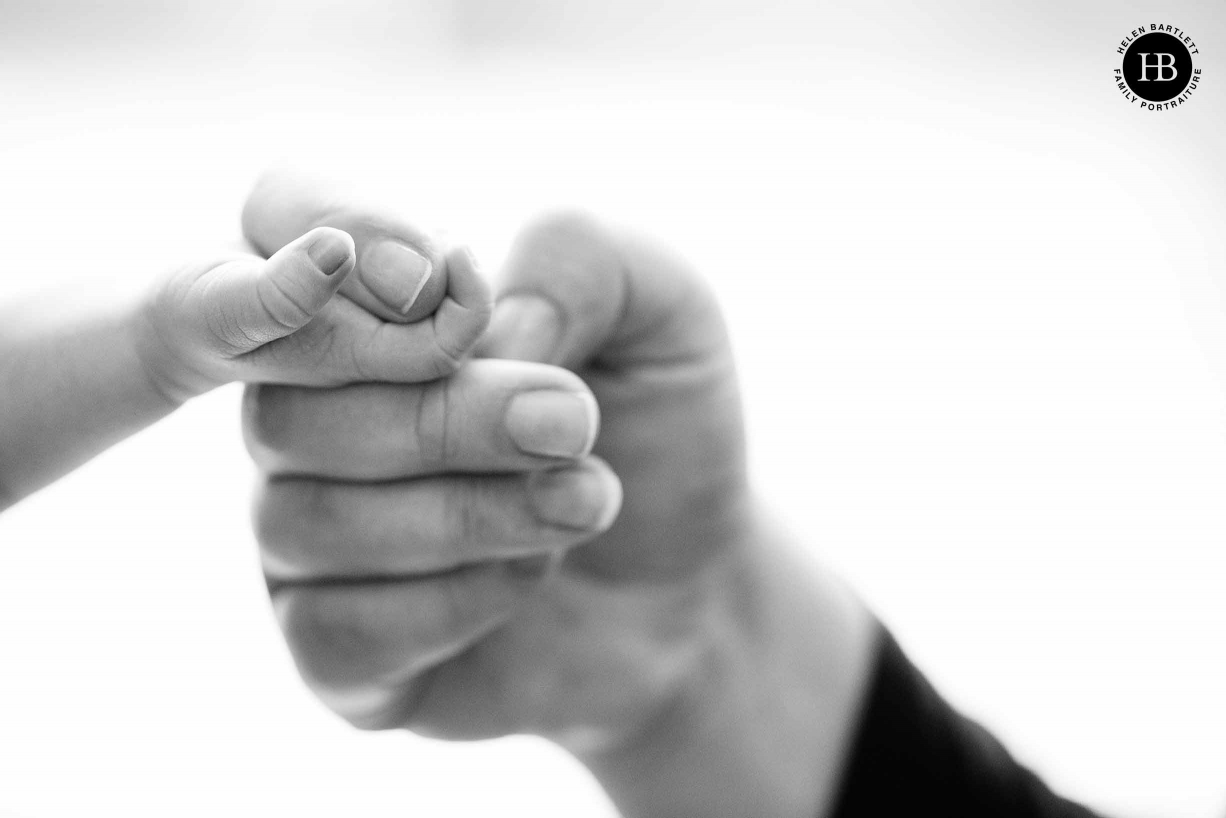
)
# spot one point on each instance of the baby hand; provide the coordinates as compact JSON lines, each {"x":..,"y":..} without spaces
{"x":281,"y":320}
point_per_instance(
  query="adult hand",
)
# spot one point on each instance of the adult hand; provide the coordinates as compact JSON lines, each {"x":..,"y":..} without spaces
{"x":681,"y":651}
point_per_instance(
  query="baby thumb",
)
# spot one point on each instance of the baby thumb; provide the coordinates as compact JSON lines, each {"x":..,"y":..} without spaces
{"x":260,"y":302}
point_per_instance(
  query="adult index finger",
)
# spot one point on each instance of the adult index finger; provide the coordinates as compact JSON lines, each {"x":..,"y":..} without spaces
{"x":490,"y":416}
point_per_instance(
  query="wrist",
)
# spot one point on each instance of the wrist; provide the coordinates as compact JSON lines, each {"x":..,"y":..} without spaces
{"x":75,"y":383}
{"x":763,"y":723}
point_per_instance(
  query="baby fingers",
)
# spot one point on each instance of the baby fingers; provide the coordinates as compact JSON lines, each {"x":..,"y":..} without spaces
{"x":346,"y":343}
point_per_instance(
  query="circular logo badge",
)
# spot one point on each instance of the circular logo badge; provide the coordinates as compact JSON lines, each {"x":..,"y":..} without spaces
{"x":1157,"y":70}
{"x":1157,"y":67}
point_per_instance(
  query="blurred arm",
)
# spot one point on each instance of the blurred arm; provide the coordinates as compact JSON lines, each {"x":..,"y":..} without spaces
{"x":77,"y":378}
{"x":807,"y":707}
{"x":69,"y":389}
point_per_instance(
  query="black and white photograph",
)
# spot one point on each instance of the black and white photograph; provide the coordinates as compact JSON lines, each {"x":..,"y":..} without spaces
{"x":654,"y":408}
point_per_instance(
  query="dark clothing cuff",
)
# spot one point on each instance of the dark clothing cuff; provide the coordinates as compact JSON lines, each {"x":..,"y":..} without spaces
{"x":915,"y":755}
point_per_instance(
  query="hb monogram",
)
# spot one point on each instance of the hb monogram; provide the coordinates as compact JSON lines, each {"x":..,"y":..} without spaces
{"x":1161,"y":66}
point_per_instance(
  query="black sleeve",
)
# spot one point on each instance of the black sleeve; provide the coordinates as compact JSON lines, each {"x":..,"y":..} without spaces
{"x":915,"y":755}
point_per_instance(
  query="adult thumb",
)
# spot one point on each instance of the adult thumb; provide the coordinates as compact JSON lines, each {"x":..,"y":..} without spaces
{"x":576,"y":292}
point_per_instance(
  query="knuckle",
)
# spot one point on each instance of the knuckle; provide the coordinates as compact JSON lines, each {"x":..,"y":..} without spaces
{"x":285,"y":308}
{"x":465,"y":520}
{"x":366,"y":361}
{"x":432,"y":428}
{"x":448,"y":356}
{"x":356,"y":366}
{"x":335,"y":639}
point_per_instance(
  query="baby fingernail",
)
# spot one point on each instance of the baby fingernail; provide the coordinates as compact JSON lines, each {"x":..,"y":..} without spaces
{"x":552,"y":423}
{"x":587,"y":498}
{"x":331,"y":251}
{"x":396,"y":273}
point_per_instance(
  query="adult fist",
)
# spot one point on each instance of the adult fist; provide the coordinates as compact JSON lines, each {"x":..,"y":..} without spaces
{"x":449,"y":557}
{"x":402,"y":524}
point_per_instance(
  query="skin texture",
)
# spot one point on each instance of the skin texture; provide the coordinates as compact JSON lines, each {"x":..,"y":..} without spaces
{"x":282,"y":203}
{"x":445,"y":550}
{"x":666,"y":634}
{"x":71,"y":386}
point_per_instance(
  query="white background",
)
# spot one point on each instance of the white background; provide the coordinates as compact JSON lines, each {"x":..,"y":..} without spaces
{"x":975,"y":296}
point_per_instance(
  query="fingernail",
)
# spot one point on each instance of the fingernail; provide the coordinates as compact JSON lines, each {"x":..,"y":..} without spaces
{"x":396,"y":273}
{"x":577,"y":498}
{"x":331,"y":251}
{"x":553,"y":424}
{"x":524,"y":328}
